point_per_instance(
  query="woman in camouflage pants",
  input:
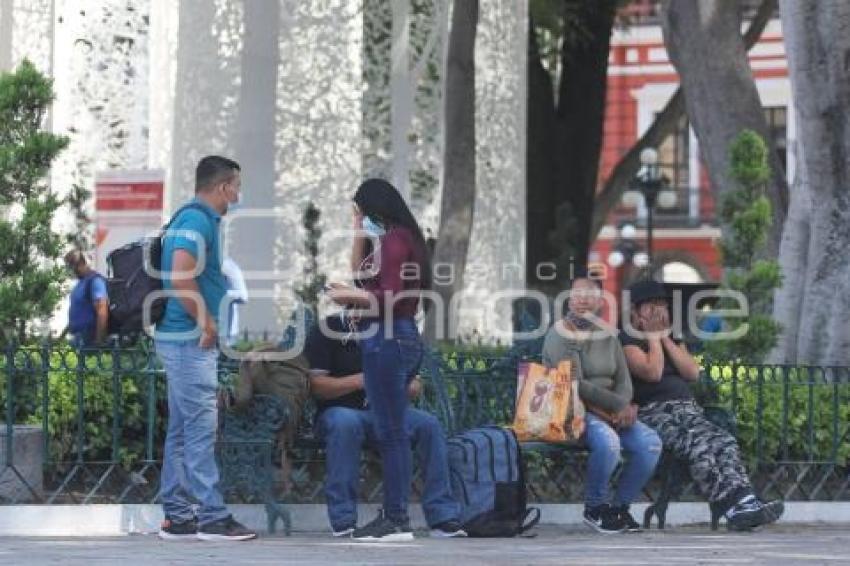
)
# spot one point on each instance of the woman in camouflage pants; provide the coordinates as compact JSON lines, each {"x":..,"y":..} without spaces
{"x":661,"y":370}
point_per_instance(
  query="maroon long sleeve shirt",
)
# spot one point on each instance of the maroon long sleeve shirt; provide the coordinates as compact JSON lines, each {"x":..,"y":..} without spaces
{"x":399,"y":270}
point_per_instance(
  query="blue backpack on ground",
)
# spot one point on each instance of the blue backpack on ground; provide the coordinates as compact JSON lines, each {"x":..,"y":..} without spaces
{"x":488,"y":480}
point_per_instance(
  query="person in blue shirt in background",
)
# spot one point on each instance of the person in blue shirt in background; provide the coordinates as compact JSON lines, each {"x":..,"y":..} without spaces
{"x":186,"y":341}
{"x":88,"y":315}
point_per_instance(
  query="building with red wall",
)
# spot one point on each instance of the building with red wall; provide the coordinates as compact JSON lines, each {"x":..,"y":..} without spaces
{"x":641,"y":80}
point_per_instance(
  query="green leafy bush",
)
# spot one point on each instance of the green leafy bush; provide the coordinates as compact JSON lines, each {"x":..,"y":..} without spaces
{"x":114,"y":403}
{"x":798,"y":405}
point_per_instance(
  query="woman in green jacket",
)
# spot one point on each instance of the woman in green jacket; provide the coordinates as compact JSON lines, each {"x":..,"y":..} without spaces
{"x":605,"y":387}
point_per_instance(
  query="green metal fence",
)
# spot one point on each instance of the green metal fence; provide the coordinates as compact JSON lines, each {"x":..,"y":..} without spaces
{"x":99,"y":416}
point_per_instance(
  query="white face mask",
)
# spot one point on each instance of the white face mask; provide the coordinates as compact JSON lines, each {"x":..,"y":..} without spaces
{"x":234,"y":205}
{"x":373,"y":228}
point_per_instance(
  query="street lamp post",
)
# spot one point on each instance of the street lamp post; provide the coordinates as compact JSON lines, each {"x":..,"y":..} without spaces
{"x":626,"y":250}
{"x":653,"y":187}
{"x":626,"y":253}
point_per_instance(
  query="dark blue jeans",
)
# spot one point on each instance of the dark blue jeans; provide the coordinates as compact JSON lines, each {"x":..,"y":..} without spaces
{"x":346,"y":431}
{"x":391,"y":357}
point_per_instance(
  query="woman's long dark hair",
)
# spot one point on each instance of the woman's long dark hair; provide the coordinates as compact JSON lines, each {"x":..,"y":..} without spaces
{"x":382,"y":202}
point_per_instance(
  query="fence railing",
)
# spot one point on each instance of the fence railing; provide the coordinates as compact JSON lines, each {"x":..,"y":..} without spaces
{"x":88,"y":427}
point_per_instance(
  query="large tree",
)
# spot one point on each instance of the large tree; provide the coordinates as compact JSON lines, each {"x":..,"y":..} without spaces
{"x":813,"y":304}
{"x":569,"y":41}
{"x":30,"y":276}
{"x":458,"y":202}
{"x":704,"y":43}
{"x":664,"y":125}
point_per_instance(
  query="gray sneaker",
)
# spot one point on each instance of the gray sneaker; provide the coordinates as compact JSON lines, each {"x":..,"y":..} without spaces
{"x":750,"y":513}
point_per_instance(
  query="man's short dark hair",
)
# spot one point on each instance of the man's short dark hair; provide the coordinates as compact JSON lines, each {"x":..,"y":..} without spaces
{"x":75,"y":257}
{"x":214,"y":169}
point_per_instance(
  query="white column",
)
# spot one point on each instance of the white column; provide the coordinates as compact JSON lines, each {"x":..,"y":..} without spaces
{"x":101,"y":84}
{"x":7,"y":29}
{"x":164,"y":28}
{"x":496,"y":261}
{"x":319,"y":135}
{"x":402,"y":95}
{"x":32,"y":33}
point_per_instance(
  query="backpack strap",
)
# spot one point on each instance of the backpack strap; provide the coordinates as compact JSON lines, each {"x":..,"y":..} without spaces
{"x":187,"y":206}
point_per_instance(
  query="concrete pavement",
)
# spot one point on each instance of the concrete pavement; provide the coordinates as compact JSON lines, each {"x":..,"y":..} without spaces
{"x":778,"y":544}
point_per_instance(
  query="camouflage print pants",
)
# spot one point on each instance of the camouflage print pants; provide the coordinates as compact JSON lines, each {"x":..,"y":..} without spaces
{"x":712,"y":453}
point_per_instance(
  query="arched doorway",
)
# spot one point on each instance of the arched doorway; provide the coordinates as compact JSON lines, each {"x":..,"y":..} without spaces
{"x":680,"y":272}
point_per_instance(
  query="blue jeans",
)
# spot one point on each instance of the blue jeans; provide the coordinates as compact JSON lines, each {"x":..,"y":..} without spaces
{"x":346,"y":430}
{"x":643,"y":448}
{"x":189,"y":470}
{"x":390,"y":359}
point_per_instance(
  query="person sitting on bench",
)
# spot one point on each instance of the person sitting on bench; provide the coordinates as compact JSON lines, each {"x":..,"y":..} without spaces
{"x":611,"y":424}
{"x":346,"y":424}
{"x":661,"y":369}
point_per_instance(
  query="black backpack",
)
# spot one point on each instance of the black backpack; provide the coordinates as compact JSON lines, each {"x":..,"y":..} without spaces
{"x":134,"y":270}
{"x":487,"y":474}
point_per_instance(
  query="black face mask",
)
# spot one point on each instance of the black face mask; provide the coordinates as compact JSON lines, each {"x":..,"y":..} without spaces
{"x":579,"y":322}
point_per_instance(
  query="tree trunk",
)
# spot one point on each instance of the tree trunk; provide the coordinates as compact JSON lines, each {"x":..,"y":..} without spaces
{"x":813,"y":304}
{"x":663,"y":126}
{"x":720,"y":93}
{"x":458,"y":201}
{"x":540,"y":164}
{"x":580,"y":120}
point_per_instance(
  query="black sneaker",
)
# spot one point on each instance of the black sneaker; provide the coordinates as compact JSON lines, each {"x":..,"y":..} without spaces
{"x":342,"y":532}
{"x":627,"y":520}
{"x":603,"y":519}
{"x":448,"y":529}
{"x":750,"y":513}
{"x":384,"y":529}
{"x":173,"y":530}
{"x":225,"y":529}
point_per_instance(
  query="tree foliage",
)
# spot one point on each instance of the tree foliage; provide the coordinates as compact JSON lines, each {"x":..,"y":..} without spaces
{"x":78,"y":202}
{"x":30,"y":276}
{"x":313,"y":281}
{"x":745,"y":212}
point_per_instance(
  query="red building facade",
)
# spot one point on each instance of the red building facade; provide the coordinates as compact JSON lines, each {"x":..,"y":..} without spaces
{"x":641,"y":80}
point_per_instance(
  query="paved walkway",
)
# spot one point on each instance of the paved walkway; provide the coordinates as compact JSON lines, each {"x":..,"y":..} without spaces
{"x":781,"y":544}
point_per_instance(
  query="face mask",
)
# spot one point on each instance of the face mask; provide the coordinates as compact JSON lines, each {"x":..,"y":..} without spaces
{"x":579,"y":322}
{"x":234,"y":205}
{"x":372,"y":227}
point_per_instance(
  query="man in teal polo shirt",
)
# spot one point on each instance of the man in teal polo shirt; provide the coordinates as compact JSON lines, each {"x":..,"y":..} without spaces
{"x":186,"y":342}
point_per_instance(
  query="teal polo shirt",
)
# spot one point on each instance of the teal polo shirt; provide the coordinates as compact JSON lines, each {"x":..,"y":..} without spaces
{"x":196,"y":230}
